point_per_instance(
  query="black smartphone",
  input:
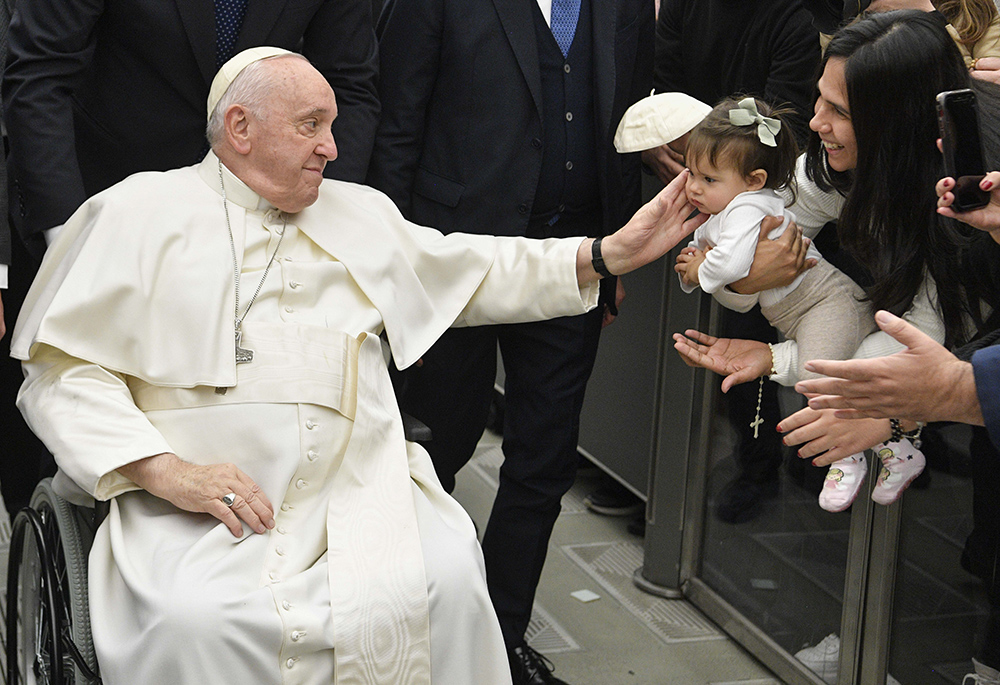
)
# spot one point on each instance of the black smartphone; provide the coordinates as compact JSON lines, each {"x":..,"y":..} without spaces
{"x":963,"y":151}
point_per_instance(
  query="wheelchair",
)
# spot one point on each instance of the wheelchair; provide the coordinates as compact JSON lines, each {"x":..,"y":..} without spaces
{"x":48,"y":614}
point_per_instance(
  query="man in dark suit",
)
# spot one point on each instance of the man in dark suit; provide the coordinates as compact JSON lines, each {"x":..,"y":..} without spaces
{"x":498,"y":116}
{"x":96,"y":91}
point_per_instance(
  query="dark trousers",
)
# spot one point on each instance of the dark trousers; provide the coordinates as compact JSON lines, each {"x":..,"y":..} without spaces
{"x":547,"y":365}
{"x":23,"y":459}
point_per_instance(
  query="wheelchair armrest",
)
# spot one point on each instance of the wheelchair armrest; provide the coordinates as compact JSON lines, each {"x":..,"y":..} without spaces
{"x":414,"y":430}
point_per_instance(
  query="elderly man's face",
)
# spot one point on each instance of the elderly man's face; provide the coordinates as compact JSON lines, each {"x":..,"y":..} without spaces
{"x":292,"y":144}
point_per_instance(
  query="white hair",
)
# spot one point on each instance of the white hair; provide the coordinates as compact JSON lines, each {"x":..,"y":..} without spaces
{"x":251,"y":88}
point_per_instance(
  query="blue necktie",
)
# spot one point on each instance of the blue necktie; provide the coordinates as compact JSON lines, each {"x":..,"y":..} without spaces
{"x":565,"y":14}
{"x":228,"y":20}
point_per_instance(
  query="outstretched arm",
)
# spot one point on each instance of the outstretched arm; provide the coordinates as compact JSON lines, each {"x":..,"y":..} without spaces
{"x":652,"y":232}
{"x":924,"y":382}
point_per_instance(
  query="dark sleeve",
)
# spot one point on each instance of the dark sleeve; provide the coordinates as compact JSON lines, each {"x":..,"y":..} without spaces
{"x":986,"y":368}
{"x":5,"y":236}
{"x":642,"y":81}
{"x":668,"y":73}
{"x":410,"y":55}
{"x":51,"y":44}
{"x":340,"y":43}
{"x":794,"y":69}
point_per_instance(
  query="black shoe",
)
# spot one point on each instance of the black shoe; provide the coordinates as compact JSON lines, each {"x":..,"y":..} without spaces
{"x":743,"y":500}
{"x":637,"y":526}
{"x":613,"y":499}
{"x":528,"y":667}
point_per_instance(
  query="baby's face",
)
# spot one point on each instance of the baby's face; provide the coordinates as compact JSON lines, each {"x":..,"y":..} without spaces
{"x":711,"y":189}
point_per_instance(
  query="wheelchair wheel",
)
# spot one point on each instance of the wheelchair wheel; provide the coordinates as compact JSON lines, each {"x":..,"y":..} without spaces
{"x":48,"y":615}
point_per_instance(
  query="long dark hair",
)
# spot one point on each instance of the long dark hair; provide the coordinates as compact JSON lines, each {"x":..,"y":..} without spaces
{"x":895,"y":65}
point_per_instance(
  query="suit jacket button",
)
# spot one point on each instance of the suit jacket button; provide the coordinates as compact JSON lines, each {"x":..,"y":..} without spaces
{"x":522,"y":208}
{"x":536,"y":143}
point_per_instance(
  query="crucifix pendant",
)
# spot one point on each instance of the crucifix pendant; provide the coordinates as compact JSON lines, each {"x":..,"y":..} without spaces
{"x":755,"y":424}
{"x":243,"y":355}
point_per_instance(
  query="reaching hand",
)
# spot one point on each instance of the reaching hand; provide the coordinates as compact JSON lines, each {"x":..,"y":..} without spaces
{"x":924,"y":382}
{"x":201,"y":488}
{"x":828,"y":439}
{"x":738,"y":360}
{"x":653,"y":231}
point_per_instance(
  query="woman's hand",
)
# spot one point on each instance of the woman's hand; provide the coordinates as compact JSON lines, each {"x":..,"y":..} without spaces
{"x":738,"y":360}
{"x":776,"y":263}
{"x":986,"y":218}
{"x":200,"y":489}
{"x":830,"y":438}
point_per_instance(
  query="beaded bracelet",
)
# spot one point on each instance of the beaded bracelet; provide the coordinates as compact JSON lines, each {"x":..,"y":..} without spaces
{"x":898,"y":433}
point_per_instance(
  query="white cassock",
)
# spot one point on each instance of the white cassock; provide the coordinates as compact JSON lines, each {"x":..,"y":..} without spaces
{"x":372,"y":573}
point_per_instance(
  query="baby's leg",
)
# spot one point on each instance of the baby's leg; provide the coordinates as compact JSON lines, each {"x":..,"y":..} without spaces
{"x":843,"y":481}
{"x":901,"y":463}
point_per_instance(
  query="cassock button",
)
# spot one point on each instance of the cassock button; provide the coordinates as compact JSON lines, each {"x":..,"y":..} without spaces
{"x":312,"y":455}
{"x":293,"y":284}
{"x":281,"y":529}
{"x":272,"y":575}
{"x":289,"y":309}
{"x":286,"y":507}
{"x":290,"y":662}
{"x":297,"y":635}
{"x":310,"y":424}
{"x":280,"y":551}
{"x":300,"y":483}
{"x":286,"y":605}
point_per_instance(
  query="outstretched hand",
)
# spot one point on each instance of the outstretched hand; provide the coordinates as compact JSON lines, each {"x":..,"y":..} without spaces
{"x":736,"y":359}
{"x":826,"y":439}
{"x":924,"y":382}
{"x":653,"y":231}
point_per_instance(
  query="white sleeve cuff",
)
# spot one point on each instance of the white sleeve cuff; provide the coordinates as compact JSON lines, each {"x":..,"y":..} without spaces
{"x":785,"y":361}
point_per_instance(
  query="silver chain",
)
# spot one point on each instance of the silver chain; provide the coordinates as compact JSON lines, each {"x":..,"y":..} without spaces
{"x":238,"y":320}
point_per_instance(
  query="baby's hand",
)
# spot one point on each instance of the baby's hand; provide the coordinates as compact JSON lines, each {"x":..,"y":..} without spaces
{"x":688,"y":261}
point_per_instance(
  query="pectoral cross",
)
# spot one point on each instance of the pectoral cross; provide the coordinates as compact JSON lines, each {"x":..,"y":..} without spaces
{"x":756,"y":424}
{"x":243,"y":356}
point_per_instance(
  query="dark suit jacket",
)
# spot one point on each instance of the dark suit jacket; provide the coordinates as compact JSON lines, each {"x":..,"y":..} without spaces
{"x":459,"y":144}
{"x":96,"y":90}
{"x":5,"y":10}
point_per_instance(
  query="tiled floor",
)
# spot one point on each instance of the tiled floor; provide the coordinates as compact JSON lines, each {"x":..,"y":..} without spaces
{"x":625,"y":636}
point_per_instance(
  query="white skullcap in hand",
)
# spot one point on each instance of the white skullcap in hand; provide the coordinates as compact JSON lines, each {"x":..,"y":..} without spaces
{"x":657,"y":120}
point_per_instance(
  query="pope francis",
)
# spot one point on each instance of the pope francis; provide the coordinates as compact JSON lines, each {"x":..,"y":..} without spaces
{"x":202,"y":346}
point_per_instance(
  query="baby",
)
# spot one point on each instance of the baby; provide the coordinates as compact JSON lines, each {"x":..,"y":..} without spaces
{"x":739,"y":156}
